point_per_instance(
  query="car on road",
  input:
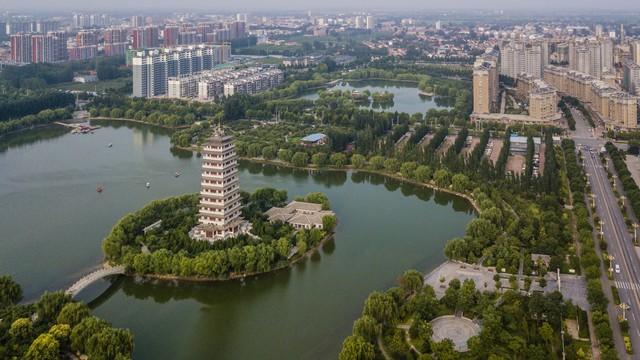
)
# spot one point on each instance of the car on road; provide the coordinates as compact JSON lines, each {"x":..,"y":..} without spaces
{"x":617,"y":269}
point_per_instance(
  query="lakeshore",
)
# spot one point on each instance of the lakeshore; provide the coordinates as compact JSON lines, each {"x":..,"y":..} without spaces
{"x":366,"y":253}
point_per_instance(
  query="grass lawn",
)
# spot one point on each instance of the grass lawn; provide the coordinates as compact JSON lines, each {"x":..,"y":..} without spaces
{"x":100,"y":85}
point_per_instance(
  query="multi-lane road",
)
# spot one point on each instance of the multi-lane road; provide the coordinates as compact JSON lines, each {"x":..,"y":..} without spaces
{"x":620,"y":245}
{"x":619,"y":240}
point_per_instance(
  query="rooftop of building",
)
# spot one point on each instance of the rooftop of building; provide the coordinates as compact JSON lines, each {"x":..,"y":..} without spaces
{"x":314,"y":137}
{"x":516,"y":139}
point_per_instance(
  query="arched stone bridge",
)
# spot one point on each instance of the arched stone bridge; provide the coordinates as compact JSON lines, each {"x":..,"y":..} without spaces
{"x":94,"y":276}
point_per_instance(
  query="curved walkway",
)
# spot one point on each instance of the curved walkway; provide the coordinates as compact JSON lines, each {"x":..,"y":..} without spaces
{"x":94,"y":276}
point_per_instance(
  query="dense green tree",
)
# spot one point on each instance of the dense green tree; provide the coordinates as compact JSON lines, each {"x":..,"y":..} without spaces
{"x":300,"y":159}
{"x":21,"y":330}
{"x":45,"y":347}
{"x":62,"y":334}
{"x":109,"y":343}
{"x":338,"y":160}
{"x":358,"y":161}
{"x":81,"y":333}
{"x":10,"y":291}
{"x":356,"y":348}
{"x":380,"y":306}
{"x":319,"y":159}
{"x":50,"y":305}
{"x":422,"y":173}
{"x":72,"y":313}
{"x":411,"y":281}
{"x":366,"y":327}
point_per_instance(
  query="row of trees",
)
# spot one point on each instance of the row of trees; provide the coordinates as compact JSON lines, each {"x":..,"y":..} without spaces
{"x":630,"y":187}
{"x":26,"y":122}
{"x":567,"y":114}
{"x":511,"y":328}
{"x":37,"y":76}
{"x":21,"y":103}
{"x":54,"y":326}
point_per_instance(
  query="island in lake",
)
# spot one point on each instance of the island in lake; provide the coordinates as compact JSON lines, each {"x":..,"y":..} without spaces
{"x":220,"y":233}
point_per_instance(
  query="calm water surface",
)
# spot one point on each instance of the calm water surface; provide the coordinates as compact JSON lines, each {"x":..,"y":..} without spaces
{"x":406,"y":98}
{"x":53,"y":220}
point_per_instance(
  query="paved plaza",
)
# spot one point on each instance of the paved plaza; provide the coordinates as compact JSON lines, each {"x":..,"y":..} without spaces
{"x":572,"y":287}
{"x":457,"y":329}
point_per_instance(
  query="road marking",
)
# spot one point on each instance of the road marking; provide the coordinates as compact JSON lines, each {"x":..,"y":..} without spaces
{"x":627,"y":285}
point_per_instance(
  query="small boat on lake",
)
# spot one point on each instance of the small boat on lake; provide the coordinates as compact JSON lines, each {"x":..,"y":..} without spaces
{"x":99,"y":188}
{"x":177,"y":174}
{"x":110,"y":145}
{"x":148,"y":184}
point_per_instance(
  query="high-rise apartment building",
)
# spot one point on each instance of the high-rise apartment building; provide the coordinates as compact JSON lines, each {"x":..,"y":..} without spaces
{"x":631,"y":77}
{"x":115,"y":41}
{"x":170,"y":35}
{"x":519,"y":57}
{"x":599,"y":30}
{"x":21,"y":48}
{"x":49,"y":48}
{"x":85,"y":47}
{"x":137,"y":21}
{"x":486,"y":83}
{"x":593,"y":57}
{"x":152,"y":68}
{"x":371,"y":22}
{"x":220,"y":201}
{"x":44,"y":26}
{"x":20,"y":26}
{"x":635,"y":51}
{"x":145,"y":37}
{"x":237,"y":30}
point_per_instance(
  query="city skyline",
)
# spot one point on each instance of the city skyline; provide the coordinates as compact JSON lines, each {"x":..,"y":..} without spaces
{"x":330,"y":5}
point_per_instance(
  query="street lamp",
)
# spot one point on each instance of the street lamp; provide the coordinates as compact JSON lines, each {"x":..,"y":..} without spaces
{"x":614,"y":177}
{"x":635,"y":232}
{"x":602,"y":229}
{"x":624,"y":308}
{"x":623,"y":198}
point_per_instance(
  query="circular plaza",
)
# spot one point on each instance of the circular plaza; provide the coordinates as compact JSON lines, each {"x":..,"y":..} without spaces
{"x":457,"y":329}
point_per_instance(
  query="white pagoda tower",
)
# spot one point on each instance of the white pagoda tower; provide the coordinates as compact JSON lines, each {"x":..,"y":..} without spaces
{"x":220,"y":206}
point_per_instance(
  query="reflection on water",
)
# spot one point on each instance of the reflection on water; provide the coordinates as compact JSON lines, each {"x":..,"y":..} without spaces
{"x":22,"y":138}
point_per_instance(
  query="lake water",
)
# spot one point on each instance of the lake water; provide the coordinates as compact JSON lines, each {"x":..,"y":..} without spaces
{"x":406,"y":98}
{"x":53,"y":221}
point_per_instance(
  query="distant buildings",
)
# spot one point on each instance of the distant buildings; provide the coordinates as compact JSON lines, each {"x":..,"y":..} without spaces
{"x":85,"y":47}
{"x":593,"y":56}
{"x":631,"y":77}
{"x":616,"y":108}
{"x":145,"y":37}
{"x":520,"y":57}
{"x":39,"y":48}
{"x":153,"y":67}
{"x":115,"y":41}
{"x":216,"y":84}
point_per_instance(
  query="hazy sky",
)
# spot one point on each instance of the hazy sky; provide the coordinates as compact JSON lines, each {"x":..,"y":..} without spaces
{"x":275,"y":5}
